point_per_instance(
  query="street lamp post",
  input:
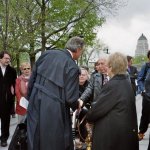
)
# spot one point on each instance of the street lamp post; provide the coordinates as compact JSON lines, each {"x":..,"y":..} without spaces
{"x":106,"y":50}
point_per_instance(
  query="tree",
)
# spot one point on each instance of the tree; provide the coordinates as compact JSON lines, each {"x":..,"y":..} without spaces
{"x":39,"y":25}
{"x":4,"y":28}
{"x":97,"y":47}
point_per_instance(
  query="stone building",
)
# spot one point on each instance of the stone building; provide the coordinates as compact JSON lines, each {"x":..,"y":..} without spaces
{"x":142,"y":46}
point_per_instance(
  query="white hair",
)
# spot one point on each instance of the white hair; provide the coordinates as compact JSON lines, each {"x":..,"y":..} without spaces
{"x":103,"y":55}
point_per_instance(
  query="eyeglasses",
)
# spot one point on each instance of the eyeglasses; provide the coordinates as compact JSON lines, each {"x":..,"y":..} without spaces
{"x":26,"y":68}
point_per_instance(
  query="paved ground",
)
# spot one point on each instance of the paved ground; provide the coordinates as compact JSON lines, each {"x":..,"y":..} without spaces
{"x":143,"y":143}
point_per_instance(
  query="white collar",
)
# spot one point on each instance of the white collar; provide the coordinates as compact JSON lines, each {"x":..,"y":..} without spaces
{"x":70,"y":53}
{"x":3,"y":68}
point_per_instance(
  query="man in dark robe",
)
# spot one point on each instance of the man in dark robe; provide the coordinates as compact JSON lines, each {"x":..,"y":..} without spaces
{"x":8,"y":77}
{"x":53,"y":90}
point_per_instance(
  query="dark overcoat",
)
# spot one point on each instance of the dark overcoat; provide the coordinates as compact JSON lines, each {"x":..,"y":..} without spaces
{"x":6,"y":95}
{"x":53,"y":90}
{"x":114,"y":117}
{"x":93,"y":89}
{"x":133,"y":76}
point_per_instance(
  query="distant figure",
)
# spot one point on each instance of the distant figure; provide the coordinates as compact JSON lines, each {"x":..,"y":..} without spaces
{"x":21,"y":89}
{"x":114,"y":112}
{"x":96,"y":67}
{"x":53,"y":90}
{"x":132,"y":70}
{"x":143,"y":76}
{"x":144,"y":87}
{"x":8,"y":77}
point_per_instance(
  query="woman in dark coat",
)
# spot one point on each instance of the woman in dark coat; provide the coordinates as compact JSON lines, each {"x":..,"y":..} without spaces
{"x":114,"y":113}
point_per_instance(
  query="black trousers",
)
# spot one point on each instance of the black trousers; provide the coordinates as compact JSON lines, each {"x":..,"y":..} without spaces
{"x":145,"y":118}
{"x":5,"y":123}
{"x":149,"y":144}
{"x":12,"y":109}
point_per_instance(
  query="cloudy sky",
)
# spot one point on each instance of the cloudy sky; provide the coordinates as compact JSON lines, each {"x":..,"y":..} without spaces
{"x":121,"y":32}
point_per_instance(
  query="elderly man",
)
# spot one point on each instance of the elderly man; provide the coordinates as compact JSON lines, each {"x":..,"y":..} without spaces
{"x":53,"y":90}
{"x":96,"y":81}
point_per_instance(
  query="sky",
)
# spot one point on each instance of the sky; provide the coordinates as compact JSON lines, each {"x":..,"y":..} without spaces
{"x":122,"y":31}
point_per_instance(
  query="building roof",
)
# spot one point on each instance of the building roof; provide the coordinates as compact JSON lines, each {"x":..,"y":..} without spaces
{"x":142,"y":37}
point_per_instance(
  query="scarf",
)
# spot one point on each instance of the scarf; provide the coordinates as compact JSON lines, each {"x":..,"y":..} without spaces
{"x":23,"y":85}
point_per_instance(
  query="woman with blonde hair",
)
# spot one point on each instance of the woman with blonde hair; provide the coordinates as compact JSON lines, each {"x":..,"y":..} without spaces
{"x":21,"y":89}
{"x":114,"y":113}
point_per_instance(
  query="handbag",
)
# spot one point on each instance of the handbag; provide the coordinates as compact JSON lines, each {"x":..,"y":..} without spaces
{"x":19,"y":139}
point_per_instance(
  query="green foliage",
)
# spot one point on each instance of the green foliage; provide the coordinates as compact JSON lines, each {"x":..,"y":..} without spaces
{"x":24,"y":57}
{"x":139,"y":59}
{"x":34,"y":25}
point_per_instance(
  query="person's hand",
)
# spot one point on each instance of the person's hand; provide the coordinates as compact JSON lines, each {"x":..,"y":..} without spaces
{"x":80,"y":103}
{"x":140,"y":136}
{"x":143,"y":93}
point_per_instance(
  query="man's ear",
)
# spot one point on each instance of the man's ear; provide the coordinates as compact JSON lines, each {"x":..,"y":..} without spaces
{"x":77,"y":50}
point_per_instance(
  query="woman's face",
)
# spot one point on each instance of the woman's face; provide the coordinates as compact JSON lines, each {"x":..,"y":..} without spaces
{"x":130,"y":62}
{"x":83,"y":76}
{"x":26,"y":70}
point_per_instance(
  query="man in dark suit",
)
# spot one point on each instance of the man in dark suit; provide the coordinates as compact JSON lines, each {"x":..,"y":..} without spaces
{"x":132,"y":70}
{"x":8,"y":77}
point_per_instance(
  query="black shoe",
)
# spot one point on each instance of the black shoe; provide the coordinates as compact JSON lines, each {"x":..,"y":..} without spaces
{"x":3,"y":143}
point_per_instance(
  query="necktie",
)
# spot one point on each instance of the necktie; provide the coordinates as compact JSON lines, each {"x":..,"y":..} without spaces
{"x":129,"y":69}
{"x":105,"y":79}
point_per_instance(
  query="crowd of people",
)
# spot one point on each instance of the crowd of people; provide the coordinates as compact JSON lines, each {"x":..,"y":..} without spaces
{"x":103,"y":100}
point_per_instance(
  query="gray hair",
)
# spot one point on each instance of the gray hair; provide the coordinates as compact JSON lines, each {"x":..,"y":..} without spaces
{"x":74,"y":43}
{"x":103,"y":56}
